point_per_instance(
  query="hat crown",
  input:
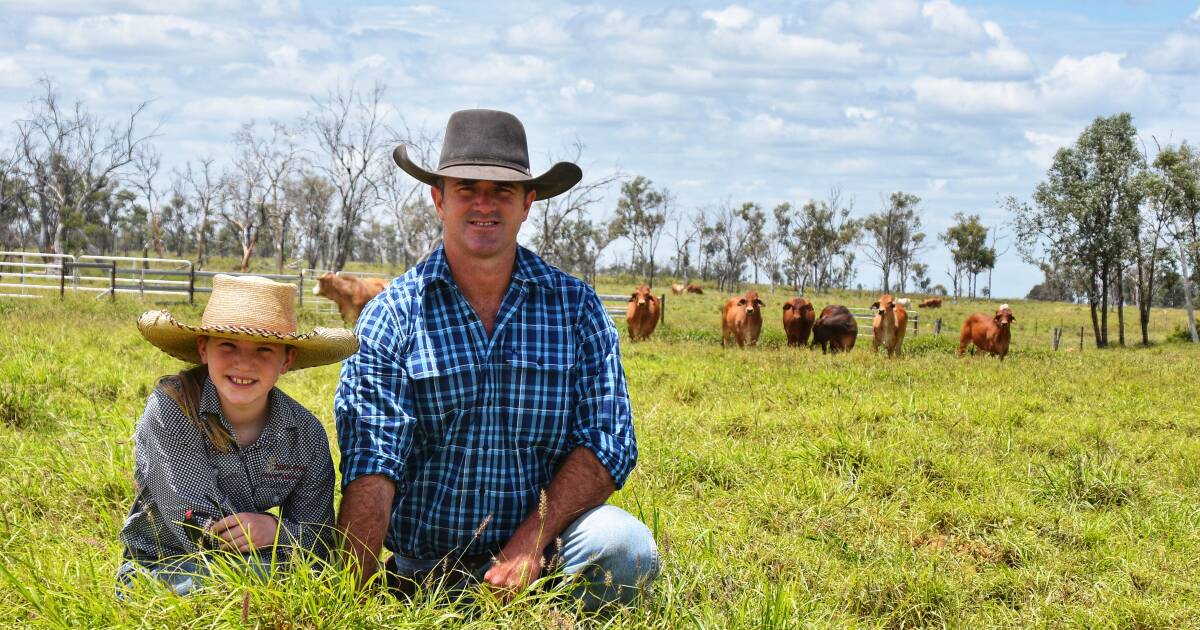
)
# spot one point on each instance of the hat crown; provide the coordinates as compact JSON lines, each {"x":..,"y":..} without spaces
{"x":487,"y":137}
{"x":251,"y":302}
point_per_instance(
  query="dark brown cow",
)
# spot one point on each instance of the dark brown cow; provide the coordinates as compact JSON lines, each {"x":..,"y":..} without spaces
{"x":835,"y":329}
{"x":350,"y":292}
{"x":989,"y":334}
{"x":931,"y":303}
{"x":695,"y":288}
{"x":741,"y":320}
{"x":798,"y":317}
{"x":889,"y":325}
{"x":641,"y":316}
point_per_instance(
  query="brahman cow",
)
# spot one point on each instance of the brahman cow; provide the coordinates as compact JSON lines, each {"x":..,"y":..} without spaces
{"x":741,"y":319}
{"x":677,"y":289}
{"x":931,"y":303}
{"x":889,"y":325}
{"x":989,"y":334}
{"x":798,"y":317}
{"x":350,"y":292}
{"x":835,"y":329}
{"x":642,"y":314}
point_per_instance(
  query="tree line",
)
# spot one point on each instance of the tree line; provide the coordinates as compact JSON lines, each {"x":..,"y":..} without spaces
{"x":1110,"y":225}
{"x":1116,"y":223}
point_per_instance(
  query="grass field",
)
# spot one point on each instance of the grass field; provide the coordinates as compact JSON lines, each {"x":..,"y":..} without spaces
{"x":785,"y":488}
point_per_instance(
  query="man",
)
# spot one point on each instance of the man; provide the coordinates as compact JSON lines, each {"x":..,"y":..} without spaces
{"x":485,"y":419}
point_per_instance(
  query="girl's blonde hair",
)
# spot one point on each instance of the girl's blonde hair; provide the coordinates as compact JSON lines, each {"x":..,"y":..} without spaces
{"x":184,"y":388}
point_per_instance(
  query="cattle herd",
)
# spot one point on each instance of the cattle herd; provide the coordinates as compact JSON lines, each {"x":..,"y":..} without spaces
{"x":835,"y":330}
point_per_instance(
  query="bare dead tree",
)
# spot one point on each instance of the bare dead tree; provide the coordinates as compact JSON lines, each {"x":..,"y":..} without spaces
{"x":203,"y":187}
{"x":349,"y":130}
{"x":552,"y":218}
{"x":276,"y":157}
{"x":146,"y":165}
{"x":246,"y":193}
{"x":406,"y":199}
{"x":67,"y":156}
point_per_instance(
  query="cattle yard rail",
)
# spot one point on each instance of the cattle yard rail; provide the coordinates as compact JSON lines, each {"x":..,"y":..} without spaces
{"x":25,"y":275}
{"x":869,"y":315}
{"x":617,"y":311}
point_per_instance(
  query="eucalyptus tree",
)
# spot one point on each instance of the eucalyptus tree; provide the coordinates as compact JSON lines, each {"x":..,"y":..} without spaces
{"x":1082,"y":214}
{"x":1178,"y":177}
{"x":640,"y":217}
{"x":894,"y":238}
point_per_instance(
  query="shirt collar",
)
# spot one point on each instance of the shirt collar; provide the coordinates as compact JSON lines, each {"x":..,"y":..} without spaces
{"x":529,"y":269}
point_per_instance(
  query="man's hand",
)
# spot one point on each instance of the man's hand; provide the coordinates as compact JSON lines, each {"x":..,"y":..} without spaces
{"x":245,"y":531}
{"x":513,"y":570}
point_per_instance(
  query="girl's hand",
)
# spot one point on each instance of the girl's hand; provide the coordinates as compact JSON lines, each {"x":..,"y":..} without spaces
{"x":245,"y":531}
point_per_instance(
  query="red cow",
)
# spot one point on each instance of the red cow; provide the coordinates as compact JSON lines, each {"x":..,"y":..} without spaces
{"x":350,"y":292}
{"x":695,"y":288}
{"x":641,"y":316}
{"x":889,"y":325}
{"x":798,"y":317}
{"x":931,"y":303}
{"x":741,"y":319}
{"x":835,"y":329}
{"x":990,"y":335}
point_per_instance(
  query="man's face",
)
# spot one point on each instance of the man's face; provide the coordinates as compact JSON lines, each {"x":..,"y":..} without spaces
{"x":481,"y":218}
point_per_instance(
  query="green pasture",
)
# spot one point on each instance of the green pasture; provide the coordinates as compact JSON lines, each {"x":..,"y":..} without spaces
{"x":785,"y":488}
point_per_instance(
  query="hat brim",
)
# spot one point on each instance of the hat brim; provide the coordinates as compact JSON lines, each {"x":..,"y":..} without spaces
{"x":320,"y":346}
{"x":557,"y":180}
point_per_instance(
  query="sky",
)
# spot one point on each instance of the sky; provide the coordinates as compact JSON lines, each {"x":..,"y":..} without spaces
{"x":961,"y":103}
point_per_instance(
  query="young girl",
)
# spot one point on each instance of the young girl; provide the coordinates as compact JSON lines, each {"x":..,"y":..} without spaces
{"x":218,"y":445}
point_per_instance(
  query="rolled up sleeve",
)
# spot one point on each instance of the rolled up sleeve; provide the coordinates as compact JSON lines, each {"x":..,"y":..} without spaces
{"x":603,"y":416}
{"x":373,"y":404}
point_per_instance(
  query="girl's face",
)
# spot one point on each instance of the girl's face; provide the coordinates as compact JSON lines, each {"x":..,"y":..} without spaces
{"x":244,"y":371}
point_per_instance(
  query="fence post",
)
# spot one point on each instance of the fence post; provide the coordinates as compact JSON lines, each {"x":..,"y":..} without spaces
{"x":62,"y":279}
{"x":916,"y":324}
{"x":662,"y":312}
{"x":142,"y":280}
{"x":1057,"y":335}
{"x":937,"y":326}
{"x":300,"y":293}
{"x":191,"y":283}
{"x":112,"y":281}
{"x":1081,"y":338}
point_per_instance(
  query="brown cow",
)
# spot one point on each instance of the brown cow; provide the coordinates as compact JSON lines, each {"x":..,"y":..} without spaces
{"x":641,"y":316}
{"x":990,"y":335}
{"x":677,"y":289}
{"x":931,"y":303}
{"x":741,"y":319}
{"x":798,"y":316}
{"x":695,"y":288}
{"x":835,"y":329}
{"x":889,"y":325}
{"x":350,"y":292}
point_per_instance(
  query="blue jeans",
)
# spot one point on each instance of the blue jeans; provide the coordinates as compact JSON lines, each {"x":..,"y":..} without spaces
{"x":182,"y":575}
{"x":613,"y":553}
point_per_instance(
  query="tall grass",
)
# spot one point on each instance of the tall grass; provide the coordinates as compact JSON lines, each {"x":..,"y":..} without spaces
{"x":785,"y":488}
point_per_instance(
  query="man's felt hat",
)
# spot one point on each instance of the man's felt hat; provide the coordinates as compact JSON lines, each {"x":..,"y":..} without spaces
{"x":485,"y":144}
{"x":250,"y":308}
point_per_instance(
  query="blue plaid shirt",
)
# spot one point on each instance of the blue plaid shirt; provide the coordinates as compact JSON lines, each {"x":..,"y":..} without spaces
{"x":472,"y":428}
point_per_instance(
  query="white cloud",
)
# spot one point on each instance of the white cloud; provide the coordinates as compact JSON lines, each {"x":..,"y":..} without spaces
{"x":12,"y":74}
{"x":936,"y":185}
{"x":539,"y":33}
{"x":946,"y":17}
{"x":860,"y":113}
{"x":147,"y":35}
{"x":733,"y":17}
{"x":582,"y":86}
{"x":1179,"y":53}
{"x":1043,"y":146}
{"x":975,"y":97}
{"x":890,"y":21}
{"x":243,"y":108}
{"x":1195,"y":16}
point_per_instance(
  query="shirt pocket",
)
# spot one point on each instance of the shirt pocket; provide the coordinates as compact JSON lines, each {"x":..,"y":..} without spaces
{"x":537,"y":398}
{"x":441,"y":394}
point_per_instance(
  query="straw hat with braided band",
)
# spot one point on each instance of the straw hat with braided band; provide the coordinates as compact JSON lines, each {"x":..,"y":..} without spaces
{"x":251,"y":308}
